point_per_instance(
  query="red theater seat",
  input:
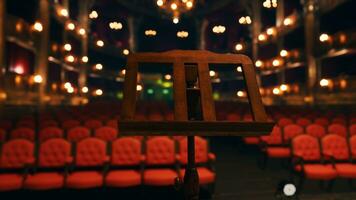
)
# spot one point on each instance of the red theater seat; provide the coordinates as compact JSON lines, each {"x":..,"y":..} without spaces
{"x":126,"y":154}
{"x":106,"y":133}
{"x":338,"y":129}
{"x":93,"y":124}
{"x":316,"y":130}
{"x":78,"y":133}
{"x":284,"y":122}
{"x":352,"y":142}
{"x":290,"y":131}
{"x":24,"y":133}
{"x":68,"y":124}
{"x":90,"y":153}
{"x":112,"y":123}
{"x":306,"y":150}
{"x":160,"y":151}
{"x":54,"y":155}
{"x":322,"y":121}
{"x":49,"y":123}
{"x":303,"y":122}
{"x":202,"y":156}
{"x":16,"y":155}
{"x":335,"y":147}
{"x":50,"y":132}
{"x":352,"y":129}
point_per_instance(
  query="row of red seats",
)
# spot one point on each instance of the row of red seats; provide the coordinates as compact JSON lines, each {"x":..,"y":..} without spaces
{"x":93,"y":165}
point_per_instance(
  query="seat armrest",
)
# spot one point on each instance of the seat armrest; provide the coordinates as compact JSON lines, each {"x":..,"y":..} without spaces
{"x":211,"y":157}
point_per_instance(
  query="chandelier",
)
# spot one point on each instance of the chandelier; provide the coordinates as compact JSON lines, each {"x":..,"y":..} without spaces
{"x":175,"y":7}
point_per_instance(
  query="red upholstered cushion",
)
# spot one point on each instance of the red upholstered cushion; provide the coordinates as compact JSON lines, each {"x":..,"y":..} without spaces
{"x":319,"y":171}
{"x":291,"y":131}
{"x":206,"y":176}
{"x":303,"y":122}
{"x":278,"y":152}
{"x":316,"y":130}
{"x":112,"y":123}
{"x":352,"y":129}
{"x":90,"y":152}
{"x":306,"y":147}
{"x":50,"y":132}
{"x":78,"y":133}
{"x":322,"y":121}
{"x":10,"y":182}
{"x":24,"y":132}
{"x":160,"y":151}
{"x":126,"y":151}
{"x":16,"y":153}
{"x":106,"y":133}
{"x":201,"y":150}
{"x":54,"y":153}
{"x":251,"y":140}
{"x":335,"y":146}
{"x":284,"y":122}
{"x":123,"y":178}
{"x":274,"y":138}
{"x":346,"y":170}
{"x":352,"y":142}
{"x":85,"y":179}
{"x":337,"y":129}
{"x":44,"y":181}
{"x":93,"y":124}
{"x":159,"y":177}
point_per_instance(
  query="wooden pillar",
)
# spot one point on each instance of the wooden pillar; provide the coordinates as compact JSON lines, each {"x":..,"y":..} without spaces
{"x":311,"y":21}
{"x":201,"y":25}
{"x":133,"y":24}
{"x":42,"y":51}
{"x":280,"y":39}
{"x":256,"y":30}
{"x":83,"y":19}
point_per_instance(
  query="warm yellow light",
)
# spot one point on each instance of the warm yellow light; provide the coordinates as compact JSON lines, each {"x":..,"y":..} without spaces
{"x":150,"y":32}
{"x":168,"y":77}
{"x":115,"y":25}
{"x":283,"y":53}
{"x":324,"y":82}
{"x":175,"y":20}
{"x":126,"y":52}
{"x":324,"y":37}
{"x":37,"y":78}
{"x":70,"y":58}
{"x":182,"y":34}
{"x":67,"y":47}
{"x":159,"y":3}
{"x":219,"y":29}
{"x":174,"y":6}
{"x":283,"y":87}
{"x":67,"y":85}
{"x":276,"y":91}
{"x":287,"y":21}
{"x":271,"y":31}
{"x":99,"y":43}
{"x":212,"y":73}
{"x":123,"y":72}
{"x":81,"y":31}
{"x":70,"y":26}
{"x":63,"y":12}
{"x":98,"y":92}
{"x":85,"y":89}
{"x":98,"y":66}
{"x":85,"y":59}
{"x":139,"y":87}
{"x":93,"y":15}
{"x":258,"y":63}
{"x":238,"y":47}
{"x":70,"y":89}
{"x":239,"y":69}
{"x":240,"y":93}
{"x":189,"y":4}
{"x":262,"y":37}
{"x":38,"y":27}
{"x":276,"y":62}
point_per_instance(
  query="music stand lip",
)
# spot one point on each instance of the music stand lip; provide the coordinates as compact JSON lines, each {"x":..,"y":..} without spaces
{"x":194,"y":128}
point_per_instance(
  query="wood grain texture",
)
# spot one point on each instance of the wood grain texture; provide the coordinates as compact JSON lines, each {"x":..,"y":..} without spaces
{"x":207,"y":101}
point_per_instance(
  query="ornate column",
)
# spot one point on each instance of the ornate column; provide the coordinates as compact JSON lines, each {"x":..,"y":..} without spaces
{"x":42,"y":50}
{"x":311,"y":21}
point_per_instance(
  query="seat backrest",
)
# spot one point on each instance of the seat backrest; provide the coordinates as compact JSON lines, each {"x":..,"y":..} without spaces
{"x":90,"y":152}
{"x":106,"y":133}
{"x":17,"y":153}
{"x":306,"y":147}
{"x":48,"y":123}
{"x":112,"y":123}
{"x":201,"y":150}
{"x":93,"y":124}
{"x":316,"y":130}
{"x":275,"y":137}
{"x":322,"y":121}
{"x":338,"y":129}
{"x":50,"y":132}
{"x":339,"y":120}
{"x":291,"y":131}
{"x":282,"y":122}
{"x":336,"y":146}
{"x":126,"y":151}
{"x":160,"y":151}
{"x":70,"y":123}
{"x":24,"y":133}
{"x":303,"y":122}
{"x":352,"y":142}
{"x":78,"y":133}
{"x":352,"y":129}
{"x":54,"y":152}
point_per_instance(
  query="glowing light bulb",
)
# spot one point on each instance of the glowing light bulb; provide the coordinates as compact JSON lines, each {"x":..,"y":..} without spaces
{"x":240,"y":93}
{"x":85,"y":59}
{"x":212,"y":73}
{"x":324,"y":37}
{"x":258,"y":63}
{"x":324,"y":82}
{"x":174,"y":6}
{"x":99,"y":43}
{"x":67,"y":47}
{"x":37,"y":78}
{"x":70,"y":26}
{"x":38,"y":27}
{"x":64,"y":12}
{"x":159,"y":2}
{"x":283,"y":53}
{"x":98,"y":66}
{"x":168,"y":77}
{"x":238,"y":47}
{"x":85,"y":89}
{"x":175,"y":20}
{"x":70,"y":58}
{"x":126,"y":52}
{"x":98,"y":92}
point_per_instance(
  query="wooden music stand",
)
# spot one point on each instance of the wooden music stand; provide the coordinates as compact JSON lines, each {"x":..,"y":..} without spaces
{"x":194,"y":110}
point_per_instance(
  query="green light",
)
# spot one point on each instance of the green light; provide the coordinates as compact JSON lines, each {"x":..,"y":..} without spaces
{"x":216,"y":96}
{"x":120,"y":95}
{"x":167,"y":84}
{"x":159,"y":81}
{"x":150,"y":91}
{"x":165,"y":91}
